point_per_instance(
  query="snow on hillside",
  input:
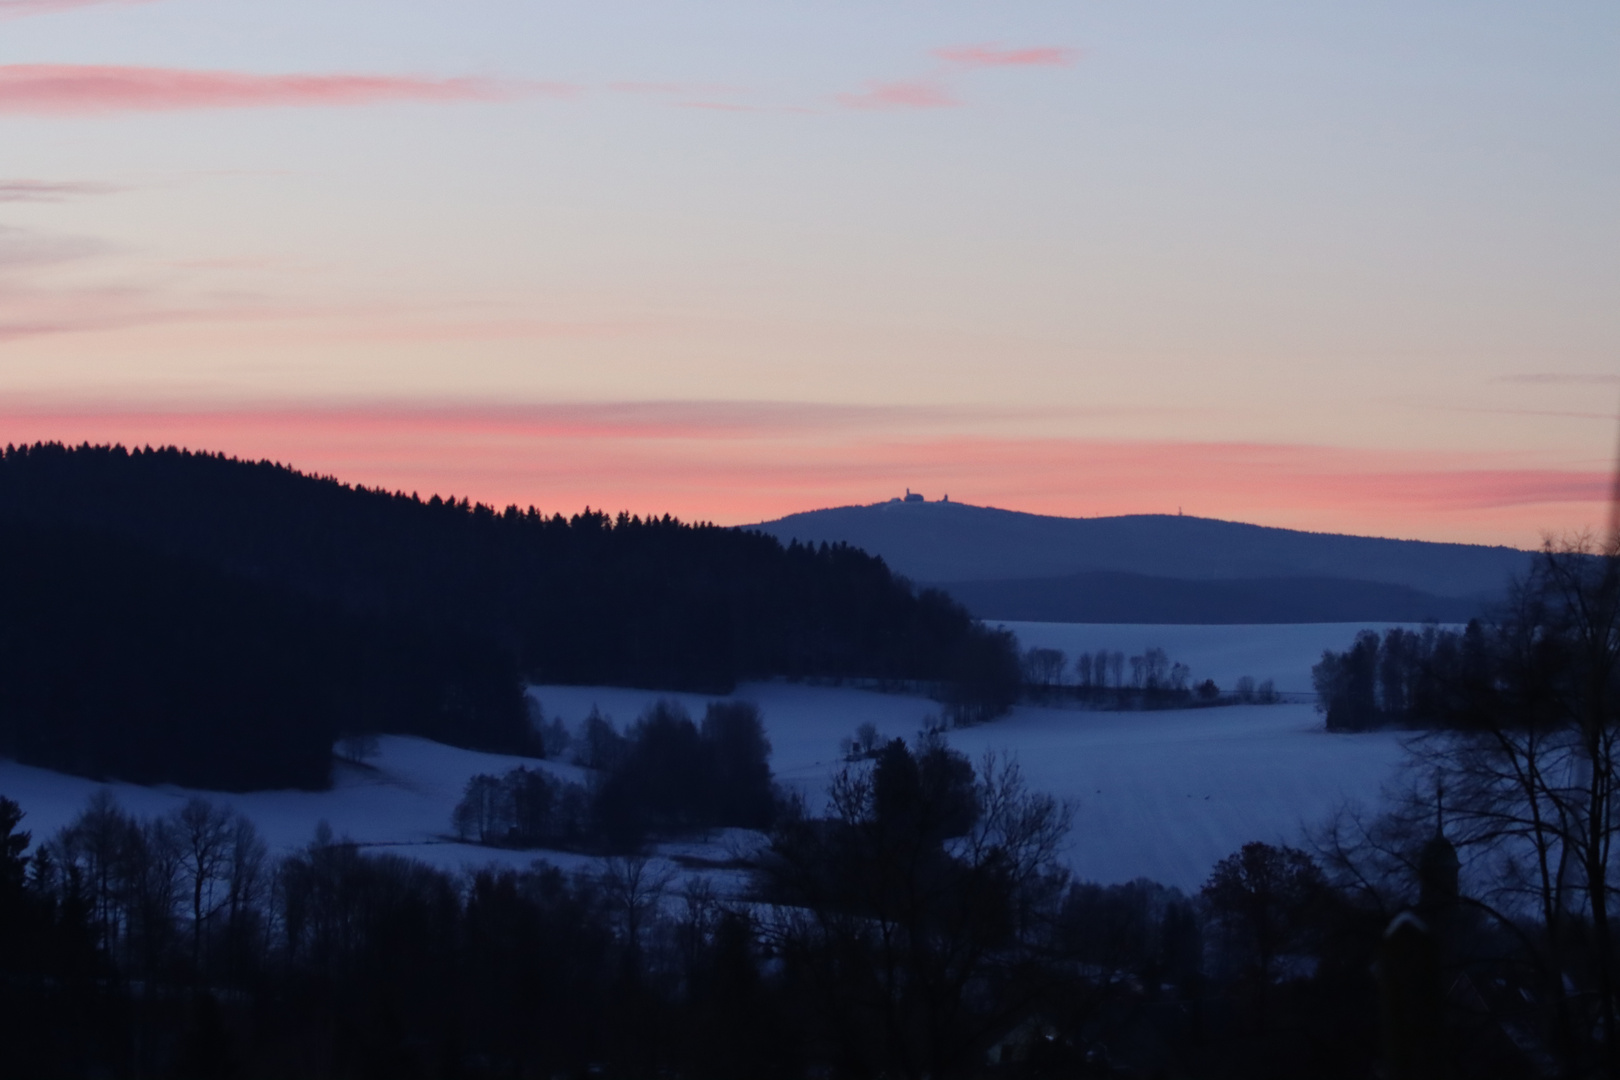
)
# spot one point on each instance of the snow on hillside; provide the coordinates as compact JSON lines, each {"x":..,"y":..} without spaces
{"x":401,"y":802}
{"x":1156,"y":794}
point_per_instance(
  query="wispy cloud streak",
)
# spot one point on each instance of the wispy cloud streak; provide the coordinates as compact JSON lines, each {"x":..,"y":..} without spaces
{"x":933,"y":91}
{"x":585,"y":420}
{"x":17,"y":9}
{"x":81,"y":90}
{"x":982,"y":56}
{"x":34,"y":191}
{"x":912,"y":94}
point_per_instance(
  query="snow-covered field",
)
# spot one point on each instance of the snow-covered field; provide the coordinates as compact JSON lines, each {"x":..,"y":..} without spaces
{"x":400,"y":802}
{"x":1156,"y":794}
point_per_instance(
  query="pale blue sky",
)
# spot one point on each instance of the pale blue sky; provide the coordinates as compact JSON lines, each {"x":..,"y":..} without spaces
{"x":1366,"y":229}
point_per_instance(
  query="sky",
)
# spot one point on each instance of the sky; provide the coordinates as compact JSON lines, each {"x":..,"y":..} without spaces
{"x":1341,"y":267}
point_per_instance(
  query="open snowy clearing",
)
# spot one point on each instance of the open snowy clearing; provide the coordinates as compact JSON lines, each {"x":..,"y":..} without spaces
{"x":400,"y":802}
{"x":1155,"y":794}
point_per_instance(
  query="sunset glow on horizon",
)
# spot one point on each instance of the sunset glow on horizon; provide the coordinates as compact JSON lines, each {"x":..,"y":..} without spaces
{"x":1344,"y":271}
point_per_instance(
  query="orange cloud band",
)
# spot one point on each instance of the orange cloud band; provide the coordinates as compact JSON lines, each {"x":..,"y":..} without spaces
{"x":740,"y":462}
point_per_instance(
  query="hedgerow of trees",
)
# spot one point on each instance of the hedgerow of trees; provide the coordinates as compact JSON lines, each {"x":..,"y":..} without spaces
{"x":1149,"y":679}
{"x":1408,"y":678}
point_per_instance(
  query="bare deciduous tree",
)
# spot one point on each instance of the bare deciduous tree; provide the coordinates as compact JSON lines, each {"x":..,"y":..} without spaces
{"x":1522,"y":771}
{"x":203,"y":835}
{"x":1043,"y":668}
{"x":633,"y":886}
{"x":927,"y":881}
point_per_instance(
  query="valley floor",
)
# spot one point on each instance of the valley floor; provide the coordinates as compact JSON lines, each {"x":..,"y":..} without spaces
{"x":1161,"y":795}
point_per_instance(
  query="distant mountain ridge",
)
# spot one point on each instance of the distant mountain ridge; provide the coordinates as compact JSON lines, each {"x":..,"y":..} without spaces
{"x":1106,"y":597}
{"x":1004,"y":564}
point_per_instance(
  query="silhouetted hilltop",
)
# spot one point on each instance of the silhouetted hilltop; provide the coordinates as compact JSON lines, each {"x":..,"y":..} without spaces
{"x":411,"y":615}
{"x":1014,"y":562}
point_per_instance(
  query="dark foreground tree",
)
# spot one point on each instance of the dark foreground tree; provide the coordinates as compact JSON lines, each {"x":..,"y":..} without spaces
{"x":1519,"y":777}
{"x":1265,"y":901}
{"x":917,"y":919}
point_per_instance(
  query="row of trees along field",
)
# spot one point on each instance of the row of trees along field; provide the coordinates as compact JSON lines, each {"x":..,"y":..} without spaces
{"x":1149,"y":678}
{"x":187,"y":617}
{"x":1405,"y":678}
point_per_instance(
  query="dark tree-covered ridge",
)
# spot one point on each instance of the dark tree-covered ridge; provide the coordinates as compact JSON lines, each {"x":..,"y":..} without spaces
{"x":116,"y":661}
{"x":119,"y":661}
{"x":458,"y":600}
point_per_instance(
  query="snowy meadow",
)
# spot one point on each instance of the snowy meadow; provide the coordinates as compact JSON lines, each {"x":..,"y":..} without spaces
{"x":1157,"y":794}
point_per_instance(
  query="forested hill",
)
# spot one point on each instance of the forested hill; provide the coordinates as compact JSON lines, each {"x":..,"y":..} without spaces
{"x":396,"y":613}
{"x":1162,"y":567}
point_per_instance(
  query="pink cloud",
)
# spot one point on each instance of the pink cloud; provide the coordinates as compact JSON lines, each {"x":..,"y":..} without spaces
{"x":932,"y":92}
{"x":16,"y":9}
{"x":639,"y":421}
{"x":980,"y":56}
{"x":915,"y":94}
{"x":70,"y":89}
{"x":748,"y":461}
{"x":49,"y":190}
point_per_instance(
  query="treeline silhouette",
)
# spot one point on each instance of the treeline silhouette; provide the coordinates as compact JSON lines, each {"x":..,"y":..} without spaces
{"x":1147,"y":680}
{"x":283,"y":607}
{"x":919,"y":929}
{"x":664,"y":777}
{"x":1404,"y":678}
